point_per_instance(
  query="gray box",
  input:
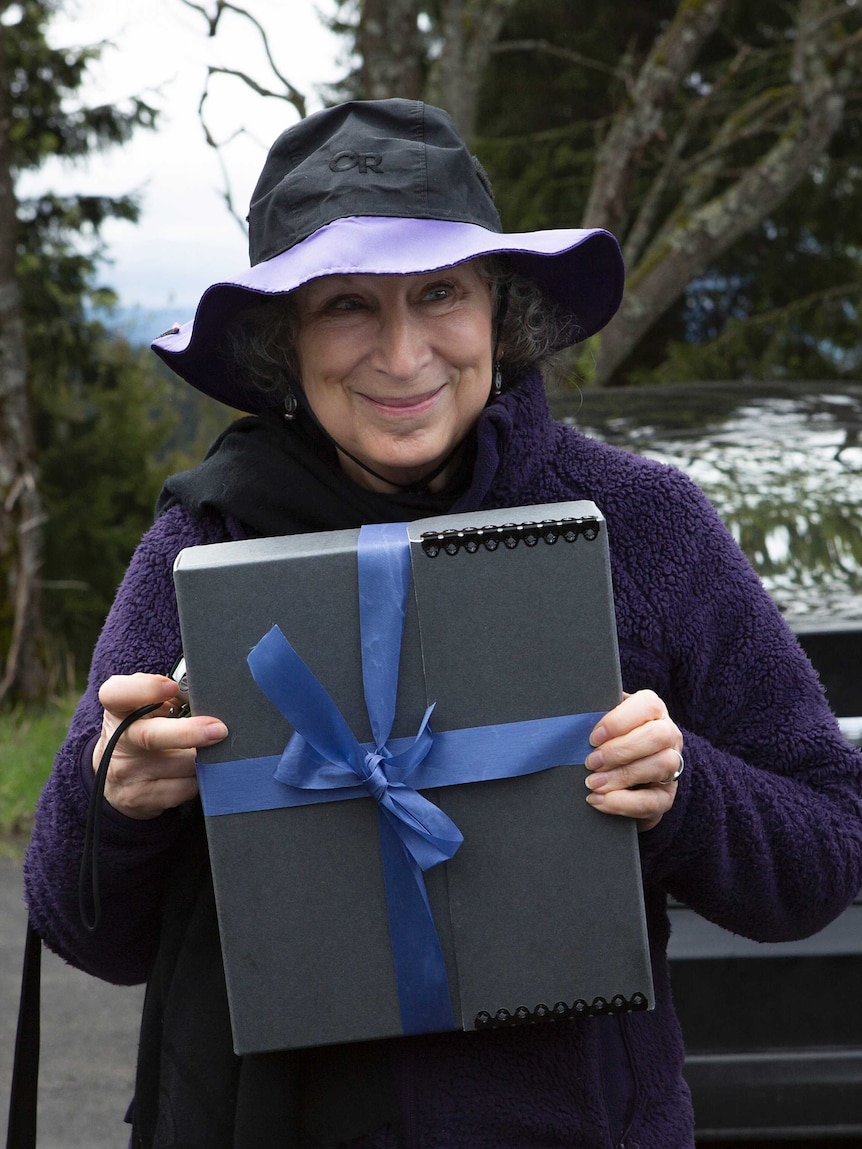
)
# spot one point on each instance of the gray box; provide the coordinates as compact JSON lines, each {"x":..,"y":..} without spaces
{"x":542,"y":905}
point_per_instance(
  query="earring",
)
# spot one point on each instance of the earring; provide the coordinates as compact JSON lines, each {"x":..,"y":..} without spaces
{"x":498,"y":380}
{"x":289,"y":406}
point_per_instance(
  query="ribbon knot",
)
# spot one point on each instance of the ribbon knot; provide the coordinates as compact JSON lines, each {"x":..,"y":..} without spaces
{"x":375,"y":781}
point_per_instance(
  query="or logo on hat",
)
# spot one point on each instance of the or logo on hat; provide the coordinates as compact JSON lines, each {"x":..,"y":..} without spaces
{"x":364,"y":161}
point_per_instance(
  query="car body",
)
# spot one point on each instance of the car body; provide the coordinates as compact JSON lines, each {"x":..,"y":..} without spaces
{"x":773,"y":1031}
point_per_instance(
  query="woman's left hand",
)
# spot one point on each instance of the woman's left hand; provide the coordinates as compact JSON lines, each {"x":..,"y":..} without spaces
{"x":638,"y":752}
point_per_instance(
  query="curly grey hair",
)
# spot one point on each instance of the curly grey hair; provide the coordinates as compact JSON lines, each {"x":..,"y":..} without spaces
{"x":263,"y":337}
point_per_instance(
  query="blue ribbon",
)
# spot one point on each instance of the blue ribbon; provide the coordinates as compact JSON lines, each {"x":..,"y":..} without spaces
{"x":323,"y":762}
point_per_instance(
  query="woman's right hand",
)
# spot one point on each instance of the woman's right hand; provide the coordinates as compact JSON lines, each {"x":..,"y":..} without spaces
{"x":153,"y":765}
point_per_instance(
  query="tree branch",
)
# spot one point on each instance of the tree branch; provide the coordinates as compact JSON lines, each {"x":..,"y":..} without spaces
{"x":545,"y":47}
{"x":639,"y":121}
{"x":698,"y":174}
{"x":250,"y":82}
{"x":674,"y":169}
{"x":289,"y":94}
{"x":779,"y":318}
{"x":689,"y":247}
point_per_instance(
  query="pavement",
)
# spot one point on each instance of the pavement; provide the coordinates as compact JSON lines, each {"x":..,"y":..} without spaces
{"x":89,"y":1039}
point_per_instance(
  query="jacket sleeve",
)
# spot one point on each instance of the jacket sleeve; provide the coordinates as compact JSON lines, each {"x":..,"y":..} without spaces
{"x":765,"y":835}
{"x":141,"y":633}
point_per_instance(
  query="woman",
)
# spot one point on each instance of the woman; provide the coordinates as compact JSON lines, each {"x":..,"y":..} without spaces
{"x":385,"y":341}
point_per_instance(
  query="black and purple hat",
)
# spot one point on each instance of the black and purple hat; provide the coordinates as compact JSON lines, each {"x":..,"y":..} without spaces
{"x":380,"y":187}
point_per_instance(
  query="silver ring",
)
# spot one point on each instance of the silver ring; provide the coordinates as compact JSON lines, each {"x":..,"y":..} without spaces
{"x":676,"y":774}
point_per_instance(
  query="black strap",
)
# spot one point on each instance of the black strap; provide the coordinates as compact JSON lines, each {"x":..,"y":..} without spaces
{"x":23,"y":1099}
{"x":21,"y":1132}
{"x":89,"y":871}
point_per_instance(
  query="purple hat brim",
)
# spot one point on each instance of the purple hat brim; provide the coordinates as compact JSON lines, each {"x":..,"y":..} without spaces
{"x":581,"y":269}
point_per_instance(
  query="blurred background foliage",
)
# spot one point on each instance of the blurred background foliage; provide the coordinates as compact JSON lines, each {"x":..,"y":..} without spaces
{"x":542,"y":89}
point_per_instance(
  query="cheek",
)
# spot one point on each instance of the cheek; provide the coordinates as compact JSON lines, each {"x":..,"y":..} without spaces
{"x":473,"y":396}
{"x":474,"y":354}
{"x":326,"y":358}
{"x":318,"y":368}
{"x":327,"y":401}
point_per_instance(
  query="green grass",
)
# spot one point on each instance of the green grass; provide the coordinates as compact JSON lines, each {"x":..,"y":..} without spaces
{"x":29,"y":739}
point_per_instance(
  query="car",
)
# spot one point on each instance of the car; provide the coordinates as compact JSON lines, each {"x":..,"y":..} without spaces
{"x":773,"y":1031}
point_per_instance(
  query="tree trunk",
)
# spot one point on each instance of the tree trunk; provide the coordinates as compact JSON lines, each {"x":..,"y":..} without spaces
{"x":22,"y":670}
{"x":394,"y":51}
{"x":639,"y":120}
{"x":390,"y":46}
{"x":469,"y":29}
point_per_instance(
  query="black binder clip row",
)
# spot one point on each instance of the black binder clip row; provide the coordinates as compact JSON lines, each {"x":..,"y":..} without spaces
{"x":509,"y":534}
{"x":560,"y":1012}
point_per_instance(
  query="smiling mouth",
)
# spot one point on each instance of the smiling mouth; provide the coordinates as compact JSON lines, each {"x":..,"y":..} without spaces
{"x":405,"y":403}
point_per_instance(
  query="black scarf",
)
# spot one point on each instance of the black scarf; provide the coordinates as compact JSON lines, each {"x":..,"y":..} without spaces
{"x":277,"y":478}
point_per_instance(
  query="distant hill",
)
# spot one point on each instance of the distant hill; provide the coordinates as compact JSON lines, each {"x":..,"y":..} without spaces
{"x":140,"y":325}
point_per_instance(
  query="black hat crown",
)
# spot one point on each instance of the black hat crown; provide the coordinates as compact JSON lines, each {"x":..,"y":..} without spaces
{"x":399,"y":158}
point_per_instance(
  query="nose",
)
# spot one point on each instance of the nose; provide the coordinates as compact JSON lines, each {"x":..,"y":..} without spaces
{"x":402,"y":347}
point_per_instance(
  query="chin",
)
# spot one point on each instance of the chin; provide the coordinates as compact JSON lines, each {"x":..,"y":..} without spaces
{"x":399,"y":473}
{"x":405,"y":467}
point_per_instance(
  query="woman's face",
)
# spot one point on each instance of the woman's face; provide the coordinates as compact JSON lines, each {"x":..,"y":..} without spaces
{"x":397,"y":368}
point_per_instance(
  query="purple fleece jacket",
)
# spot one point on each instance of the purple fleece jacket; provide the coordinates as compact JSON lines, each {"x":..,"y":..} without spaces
{"x":765,"y":835}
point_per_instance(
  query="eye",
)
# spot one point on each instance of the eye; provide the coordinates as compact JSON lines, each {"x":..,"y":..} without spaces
{"x":439,"y":292}
{"x":343,"y":303}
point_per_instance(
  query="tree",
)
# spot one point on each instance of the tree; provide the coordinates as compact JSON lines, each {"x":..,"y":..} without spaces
{"x":20,"y":504}
{"x":438,"y":52}
{"x":790,"y":111}
{"x":715,"y":138}
{"x":49,"y":252}
{"x":400,"y":50}
{"x":102,"y":458}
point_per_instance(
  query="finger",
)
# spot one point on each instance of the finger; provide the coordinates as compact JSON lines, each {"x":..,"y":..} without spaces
{"x":645,"y":741}
{"x":122,"y":693}
{"x":678,"y":767}
{"x":175,"y":733}
{"x":635,"y":710}
{"x":646,"y":806}
{"x":651,"y":770}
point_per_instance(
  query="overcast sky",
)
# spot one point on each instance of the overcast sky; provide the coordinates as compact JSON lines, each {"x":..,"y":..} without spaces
{"x":159,"y":49}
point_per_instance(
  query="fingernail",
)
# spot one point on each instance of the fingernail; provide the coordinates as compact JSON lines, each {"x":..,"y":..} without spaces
{"x":216,"y":731}
{"x":598,"y":736}
{"x":596,"y":781}
{"x":595,"y":761}
{"x":595,"y":799}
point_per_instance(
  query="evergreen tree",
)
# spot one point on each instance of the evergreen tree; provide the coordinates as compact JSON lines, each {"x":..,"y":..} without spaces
{"x":55,"y":365}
